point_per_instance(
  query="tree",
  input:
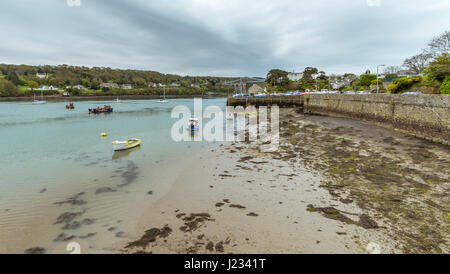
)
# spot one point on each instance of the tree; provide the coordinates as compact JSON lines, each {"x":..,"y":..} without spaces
{"x":12,"y":76}
{"x":277,"y":76}
{"x":310,"y":73}
{"x":439,"y":68}
{"x":33,"y":85}
{"x":308,"y":80}
{"x":417,"y":63}
{"x":366,"y":79}
{"x":392,"y":70}
{"x":7,"y":88}
{"x":440,"y":45}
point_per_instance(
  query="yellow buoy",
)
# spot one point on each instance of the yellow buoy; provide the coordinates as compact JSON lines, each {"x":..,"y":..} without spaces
{"x":104,"y":134}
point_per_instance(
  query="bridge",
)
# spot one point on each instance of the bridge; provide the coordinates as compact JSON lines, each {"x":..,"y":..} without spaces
{"x":240,"y":85}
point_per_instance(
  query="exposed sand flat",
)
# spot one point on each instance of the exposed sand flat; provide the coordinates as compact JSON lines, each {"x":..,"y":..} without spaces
{"x":309,"y":197}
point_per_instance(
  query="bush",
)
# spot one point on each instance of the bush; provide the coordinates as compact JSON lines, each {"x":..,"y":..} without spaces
{"x":366,"y":79}
{"x":445,"y":87}
{"x":7,"y":88}
{"x":439,"y":68}
{"x":403,"y":84}
{"x":374,"y":83}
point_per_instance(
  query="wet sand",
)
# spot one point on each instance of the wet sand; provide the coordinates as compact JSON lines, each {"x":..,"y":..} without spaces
{"x":335,"y":185}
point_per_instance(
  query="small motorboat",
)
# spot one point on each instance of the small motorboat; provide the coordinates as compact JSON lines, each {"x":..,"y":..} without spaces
{"x":98,"y":110}
{"x":125,"y":145}
{"x":70,"y":106}
{"x":193,"y":124}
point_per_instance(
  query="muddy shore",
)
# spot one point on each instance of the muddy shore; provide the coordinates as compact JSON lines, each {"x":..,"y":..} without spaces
{"x":335,"y":185}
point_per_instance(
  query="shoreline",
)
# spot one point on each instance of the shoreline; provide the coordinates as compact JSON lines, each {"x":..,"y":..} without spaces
{"x":106,"y":97}
{"x":335,"y":185}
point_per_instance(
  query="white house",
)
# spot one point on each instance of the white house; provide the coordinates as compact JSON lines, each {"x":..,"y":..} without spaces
{"x":80,"y":87}
{"x":47,"y":88}
{"x":127,"y":86}
{"x":340,"y":83}
{"x":41,"y":75}
{"x":109,"y":85}
{"x":295,"y":76}
{"x":175,"y":85}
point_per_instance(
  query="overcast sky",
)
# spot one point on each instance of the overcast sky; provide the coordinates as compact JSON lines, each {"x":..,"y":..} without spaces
{"x":219,"y":37}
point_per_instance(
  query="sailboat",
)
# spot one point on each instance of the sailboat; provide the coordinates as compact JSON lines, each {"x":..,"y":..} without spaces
{"x":40,"y":101}
{"x":117,"y":100}
{"x":164,"y":99}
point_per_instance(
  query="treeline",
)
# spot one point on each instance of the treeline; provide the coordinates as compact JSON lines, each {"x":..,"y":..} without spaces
{"x":432,"y":67}
{"x":428,"y":71}
{"x":20,"y":80}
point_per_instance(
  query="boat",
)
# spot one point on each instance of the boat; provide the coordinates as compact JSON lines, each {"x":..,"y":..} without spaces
{"x":125,"y":145}
{"x":40,"y":101}
{"x":164,"y":99}
{"x":98,"y":110}
{"x":124,"y":153}
{"x":70,"y":106}
{"x":117,"y":100}
{"x":193,"y":124}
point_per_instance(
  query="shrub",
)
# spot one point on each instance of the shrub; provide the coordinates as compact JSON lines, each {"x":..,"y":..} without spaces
{"x":403,"y":84}
{"x":374,"y":82}
{"x":445,"y":87}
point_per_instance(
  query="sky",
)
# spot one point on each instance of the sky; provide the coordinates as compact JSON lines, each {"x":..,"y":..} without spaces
{"x":219,"y":37}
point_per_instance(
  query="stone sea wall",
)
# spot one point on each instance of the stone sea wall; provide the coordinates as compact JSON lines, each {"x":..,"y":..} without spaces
{"x":425,"y":116}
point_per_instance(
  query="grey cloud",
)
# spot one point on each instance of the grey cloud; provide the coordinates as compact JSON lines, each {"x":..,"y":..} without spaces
{"x":219,"y":37}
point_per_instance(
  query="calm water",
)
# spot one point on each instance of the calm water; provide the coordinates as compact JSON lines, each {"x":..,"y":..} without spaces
{"x":48,"y":154}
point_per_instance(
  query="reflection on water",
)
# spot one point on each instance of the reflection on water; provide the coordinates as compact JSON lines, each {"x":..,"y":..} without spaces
{"x":124,"y":153}
{"x":48,"y":153}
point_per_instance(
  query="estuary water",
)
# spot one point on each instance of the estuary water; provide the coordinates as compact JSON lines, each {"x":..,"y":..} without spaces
{"x":54,"y":161}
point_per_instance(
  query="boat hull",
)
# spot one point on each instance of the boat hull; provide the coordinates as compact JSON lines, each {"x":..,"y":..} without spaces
{"x":120,"y":146}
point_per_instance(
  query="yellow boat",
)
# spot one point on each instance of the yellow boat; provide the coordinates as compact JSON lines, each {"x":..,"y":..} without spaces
{"x":128,"y":144}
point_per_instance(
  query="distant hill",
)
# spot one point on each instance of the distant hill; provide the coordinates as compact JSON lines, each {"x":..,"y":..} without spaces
{"x":96,"y":78}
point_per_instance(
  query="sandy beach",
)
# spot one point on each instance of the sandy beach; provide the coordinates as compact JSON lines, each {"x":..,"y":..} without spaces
{"x":334,"y":186}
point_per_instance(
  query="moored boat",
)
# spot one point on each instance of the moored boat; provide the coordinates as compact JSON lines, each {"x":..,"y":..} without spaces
{"x":193,"y":124}
{"x":70,"y":106}
{"x":125,"y":145}
{"x":98,"y":110}
{"x":40,"y":101}
{"x":163,"y":100}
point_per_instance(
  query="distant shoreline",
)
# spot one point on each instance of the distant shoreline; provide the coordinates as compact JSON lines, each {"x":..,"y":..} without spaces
{"x":105,"y":97}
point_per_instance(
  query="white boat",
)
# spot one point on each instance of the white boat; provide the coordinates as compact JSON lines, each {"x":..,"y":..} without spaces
{"x":194,"y":124}
{"x":125,"y":145}
{"x":164,"y":99}
{"x":40,"y":101}
{"x":117,"y":100}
